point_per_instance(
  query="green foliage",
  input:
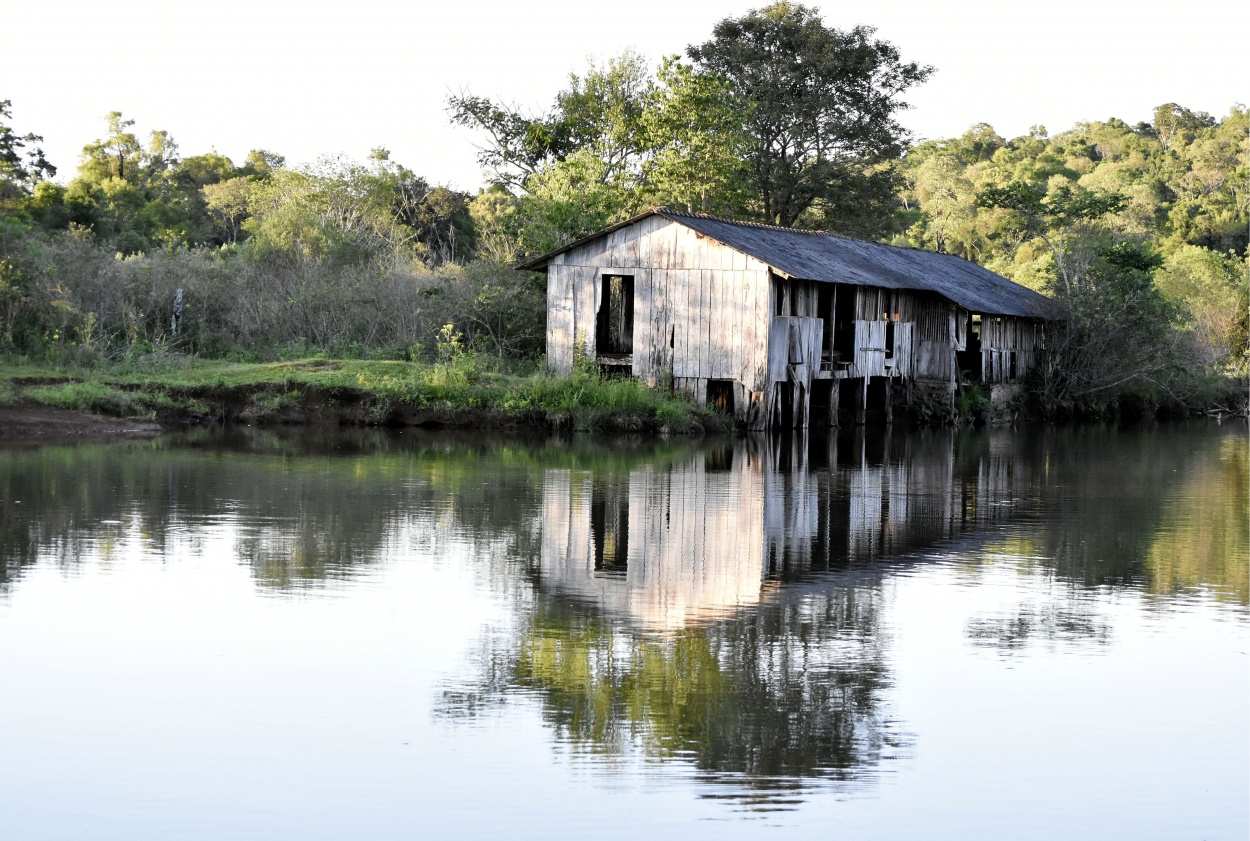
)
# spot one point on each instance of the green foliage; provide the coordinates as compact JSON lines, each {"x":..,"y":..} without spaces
{"x":696,"y":127}
{"x":972,"y":404}
{"x":21,"y":168}
{"x":1118,"y":331}
{"x":779,"y":118}
{"x":1214,"y":290}
{"x":98,"y":397}
{"x":819,"y":116}
{"x":1072,"y":214}
{"x":1183,"y":181}
{"x":1051,"y":214}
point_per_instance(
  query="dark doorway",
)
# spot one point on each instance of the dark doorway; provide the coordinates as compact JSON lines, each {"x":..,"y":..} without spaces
{"x":822,"y":391}
{"x":877,"y":396}
{"x":844,"y":324}
{"x":720,"y":396}
{"x":970,"y":360}
{"x":609,"y":528}
{"x":824,"y":311}
{"x":614,"y":325}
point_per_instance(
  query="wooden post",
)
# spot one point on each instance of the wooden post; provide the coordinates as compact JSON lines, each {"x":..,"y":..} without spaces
{"x":833,"y":402}
{"x":889,"y":400}
{"x":952,"y":337}
{"x":861,"y":405}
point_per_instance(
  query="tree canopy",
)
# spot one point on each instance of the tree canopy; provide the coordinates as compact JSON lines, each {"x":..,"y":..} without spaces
{"x":777,"y":118}
{"x":822,"y":133}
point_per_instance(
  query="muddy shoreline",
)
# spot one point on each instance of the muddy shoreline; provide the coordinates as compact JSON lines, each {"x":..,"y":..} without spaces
{"x":43,"y":423}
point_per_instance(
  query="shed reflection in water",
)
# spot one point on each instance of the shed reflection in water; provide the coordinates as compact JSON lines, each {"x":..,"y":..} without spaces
{"x":724,"y":608}
{"x":668,"y":546}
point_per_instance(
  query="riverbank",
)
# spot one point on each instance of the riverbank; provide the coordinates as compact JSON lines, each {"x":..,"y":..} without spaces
{"x":175,"y":392}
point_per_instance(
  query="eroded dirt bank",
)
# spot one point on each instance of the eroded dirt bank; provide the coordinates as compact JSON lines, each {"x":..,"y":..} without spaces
{"x":20,"y":423}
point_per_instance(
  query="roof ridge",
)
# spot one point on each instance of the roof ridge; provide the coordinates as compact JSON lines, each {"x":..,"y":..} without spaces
{"x":831,"y":234}
{"x":744,"y":224}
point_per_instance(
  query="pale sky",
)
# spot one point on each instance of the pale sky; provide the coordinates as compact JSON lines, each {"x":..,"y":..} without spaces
{"x":314,"y":78}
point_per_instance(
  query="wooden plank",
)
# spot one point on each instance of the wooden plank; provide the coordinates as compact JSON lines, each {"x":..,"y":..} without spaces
{"x":663,"y":304}
{"x":645,"y":228}
{"x":586,"y":289}
{"x":629,"y":250}
{"x":711,"y":284}
{"x":676,"y":320}
{"x":691,"y":283}
{"x":731,"y":300}
{"x":644,"y":363}
{"x":662,"y":246}
{"x":559,"y":322}
{"x":778,"y":349}
{"x":734,"y":306}
{"x":671,"y":326}
{"x":815,"y":334}
{"x":722,"y":323}
{"x":763,"y":318}
{"x":703,"y":320}
{"x":745,"y":350}
{"x":681,"y":256}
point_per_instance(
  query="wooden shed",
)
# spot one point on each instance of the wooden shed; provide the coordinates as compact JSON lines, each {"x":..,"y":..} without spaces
{"x":779,"y":325}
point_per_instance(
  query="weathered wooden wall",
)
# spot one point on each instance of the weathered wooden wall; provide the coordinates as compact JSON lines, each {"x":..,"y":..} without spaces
{"x":877,"y":354}
{"x":1005,"y":337}
{"x":696,"y":541}
{"x":700,"y":308}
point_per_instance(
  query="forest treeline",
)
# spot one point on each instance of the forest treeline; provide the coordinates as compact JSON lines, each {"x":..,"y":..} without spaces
{"x":1140,"y":230}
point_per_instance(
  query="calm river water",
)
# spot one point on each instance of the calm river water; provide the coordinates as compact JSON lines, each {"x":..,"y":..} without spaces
{"x":994,"y":634}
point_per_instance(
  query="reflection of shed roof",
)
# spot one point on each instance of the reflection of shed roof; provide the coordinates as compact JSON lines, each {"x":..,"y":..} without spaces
{"x":815,"y":255}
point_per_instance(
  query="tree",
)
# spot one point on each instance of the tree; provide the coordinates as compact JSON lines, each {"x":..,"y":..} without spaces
{"x":695,"y":128}
{"x":949,"y":203}
{"x":1052,"y":215}
{"x":227,"y":203}
{"x":1118,"y":329}
{"x":21,"y":168}
{"x":821,"y":127}
{"x":1213,"y":289}
{"x":580,"y":166}
{"x":602,"y":111}
{"x":126,"y":191}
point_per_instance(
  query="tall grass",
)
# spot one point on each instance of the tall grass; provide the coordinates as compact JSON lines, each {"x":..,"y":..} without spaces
{"x":70,"y":300}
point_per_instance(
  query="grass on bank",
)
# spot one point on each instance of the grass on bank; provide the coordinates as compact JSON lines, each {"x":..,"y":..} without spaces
{"x":459,"y":386}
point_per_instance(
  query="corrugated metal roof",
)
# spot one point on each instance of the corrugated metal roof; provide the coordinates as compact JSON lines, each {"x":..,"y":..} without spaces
{"x":814,"y":255}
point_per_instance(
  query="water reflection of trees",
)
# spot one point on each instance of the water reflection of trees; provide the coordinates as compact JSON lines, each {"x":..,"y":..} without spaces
{"x":299,"y":510}
{"x":793,"y":690}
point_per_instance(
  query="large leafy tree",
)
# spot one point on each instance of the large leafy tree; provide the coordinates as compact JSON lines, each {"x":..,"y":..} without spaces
{"x":582,"y":164}
{"x":602,"y":111}
{"x":821,"y":106}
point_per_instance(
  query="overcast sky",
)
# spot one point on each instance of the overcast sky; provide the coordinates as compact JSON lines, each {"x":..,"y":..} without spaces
{"x":318,"y":78}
